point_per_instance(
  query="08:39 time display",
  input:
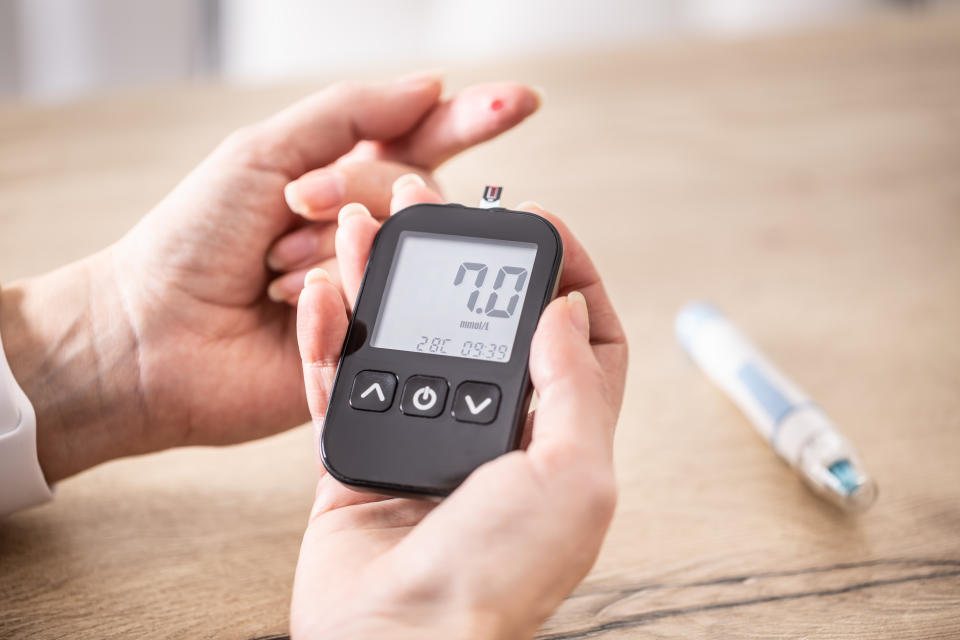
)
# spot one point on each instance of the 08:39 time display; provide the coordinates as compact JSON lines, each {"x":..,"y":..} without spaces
{"x":469,"y":348}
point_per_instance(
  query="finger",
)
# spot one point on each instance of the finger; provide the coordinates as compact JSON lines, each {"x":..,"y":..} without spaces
{"x":409,"y":190}
{"x":321,"y":329}
{"x":320,"y":128}
{"x":579,"y":274}
{"x":302,"y":247}
{"x":575,"y":414}
{"x":319,"y":194}
{"x":355,"y":233}
{"x":287,"y":287}
{"x":474,"y":115}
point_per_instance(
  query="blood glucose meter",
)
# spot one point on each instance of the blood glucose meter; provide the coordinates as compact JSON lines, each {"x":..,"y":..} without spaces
{"x":433,"y":380}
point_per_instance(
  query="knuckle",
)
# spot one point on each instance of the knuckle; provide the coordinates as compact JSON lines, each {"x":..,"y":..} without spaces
{"x":250,"y":146}
{"x":585,"y":386}
{"x":594,"y":373}
{"x":240,"y":140}
{"x":601,"y":495}
{"x":343,"y":89}
{"x":557,"y":457}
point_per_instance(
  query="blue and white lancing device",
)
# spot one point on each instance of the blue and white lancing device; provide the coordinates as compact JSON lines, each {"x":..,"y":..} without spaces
{"x":797,"y":429}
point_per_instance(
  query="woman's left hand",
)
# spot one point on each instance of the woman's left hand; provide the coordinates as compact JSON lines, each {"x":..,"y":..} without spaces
{"x":169,"y":337}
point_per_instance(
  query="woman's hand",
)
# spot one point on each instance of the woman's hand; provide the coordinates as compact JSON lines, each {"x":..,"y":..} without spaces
{"x":168,"y":337}
{"x":497,"y":556}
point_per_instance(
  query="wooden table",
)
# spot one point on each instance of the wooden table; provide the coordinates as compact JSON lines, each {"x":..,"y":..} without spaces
{"x":808,"y":184}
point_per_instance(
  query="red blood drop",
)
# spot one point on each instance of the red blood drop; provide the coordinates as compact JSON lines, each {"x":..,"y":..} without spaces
{"x":496,"y":105}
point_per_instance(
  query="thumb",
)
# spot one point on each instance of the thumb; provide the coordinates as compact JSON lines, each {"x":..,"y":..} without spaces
{"x":321,"y":329}
{"x":354,"y":239}
{"x":575,"y":419}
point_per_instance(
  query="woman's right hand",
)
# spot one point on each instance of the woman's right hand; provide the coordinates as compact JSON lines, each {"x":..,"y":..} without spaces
{"x":497,"y":556}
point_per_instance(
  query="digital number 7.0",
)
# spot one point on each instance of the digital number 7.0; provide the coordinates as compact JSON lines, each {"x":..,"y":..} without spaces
{"x":490,"y":309}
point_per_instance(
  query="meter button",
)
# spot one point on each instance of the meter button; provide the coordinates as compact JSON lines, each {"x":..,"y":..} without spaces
{"x":373,"y":391}
{"x":476,"y":402}
{"x":424,"y":396}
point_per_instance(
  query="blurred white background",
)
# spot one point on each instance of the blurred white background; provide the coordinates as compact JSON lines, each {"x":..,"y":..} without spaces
{"x":53,"y":50}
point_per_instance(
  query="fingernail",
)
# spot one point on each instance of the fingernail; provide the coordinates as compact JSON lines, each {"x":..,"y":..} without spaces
{"x":407,"y":180}
{"x":578,"y":313}
{"x":527,"y":205}
{"x":352,"y":209}
{"x":540,"y":94}
{"x":316,"y":275}
{"x":420,"y":79}
{"x":314,"y":192}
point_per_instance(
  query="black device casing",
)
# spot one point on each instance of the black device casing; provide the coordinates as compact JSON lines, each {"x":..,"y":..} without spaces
{"x":398,"y":454}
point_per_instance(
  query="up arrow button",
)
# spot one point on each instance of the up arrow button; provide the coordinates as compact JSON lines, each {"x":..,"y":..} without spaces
{"x":374,"y":387}
{"x":373,"y":390}
{"x":476,"y":402}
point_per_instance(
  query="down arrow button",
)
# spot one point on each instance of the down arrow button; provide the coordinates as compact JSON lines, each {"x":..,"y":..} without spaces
{"x":476,"y":402}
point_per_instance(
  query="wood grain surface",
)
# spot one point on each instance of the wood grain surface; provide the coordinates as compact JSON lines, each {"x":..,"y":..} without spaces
{"x":808,"y":184}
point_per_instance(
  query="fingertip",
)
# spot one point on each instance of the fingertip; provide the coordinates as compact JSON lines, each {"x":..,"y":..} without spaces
{"x":509,"y":103}
{"x":531,"y":206}
{"x":316,"y":191}
{"x":505,"y":103}
{"x":353,"y":241}
{"x":353,"y":209}
{"x":286,"y":288}
{"x":316,"y":276}
{"x":474,"y":115}
{"x":321,"y":318}
{"x":561,"y":342}
{"x":539,"y":96}
{"x":411,"y":194}
{"x":407,"y":180}
{"x":579,"y":315}
{"x":274,"y":263}
{"x":294,"y":200}
{"x":523,"y":100}
{"x":297,"y":249}
{"x":276,"y":291}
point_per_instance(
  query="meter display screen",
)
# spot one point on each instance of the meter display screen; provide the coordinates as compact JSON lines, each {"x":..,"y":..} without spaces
{"x":454,"y":296}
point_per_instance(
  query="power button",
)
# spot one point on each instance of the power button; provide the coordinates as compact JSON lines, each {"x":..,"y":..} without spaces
{"x":423,"y":396}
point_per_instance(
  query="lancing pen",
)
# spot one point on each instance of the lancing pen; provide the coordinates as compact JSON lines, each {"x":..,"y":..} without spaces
{"x":797,"y":429}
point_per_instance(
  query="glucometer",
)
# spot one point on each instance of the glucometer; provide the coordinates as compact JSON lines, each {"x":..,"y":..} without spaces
{"x":433,"y":380}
